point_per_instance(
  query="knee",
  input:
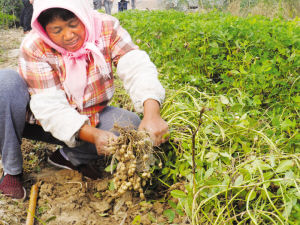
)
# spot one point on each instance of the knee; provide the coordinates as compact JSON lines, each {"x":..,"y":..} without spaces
{"x":135,"y":119}
{"x":12,"y":85}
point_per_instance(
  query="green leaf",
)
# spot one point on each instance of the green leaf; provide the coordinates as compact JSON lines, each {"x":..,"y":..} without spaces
{"x":214,"y":44}
{"x":262,"y":165}
{"x":251,"y":195}
{"x":97,"y":195}
{"x":268,"y":175}
{"x":225,"y":154}
{"x":111,"y":186}
{"x":209,"y":172}
{"x":50,"y":219}
{"x":211,"y":156}
{"x":172,"y":204}
{"x":180,"y":212}
{"x":287,"y":123}
{"x":224,"y":100}
{"x":259,"y":164}
{"x":165,"y":171}
{"x":296,"y":99}
{"x":109,"y":169}
{"x":137,"y":220}
{"x":290,"y":177}
{"x":239,"y":180}
{"x":235,"y":72}
{"x":272,"y":161}
{"x":170,"y":214}
{"x":264,"y":194}
{"x":178,"y":194}
{"x":256,"y":100}
{"x":288,"y":208}
{"x":186,"y":203}
{"x":284,"y":166}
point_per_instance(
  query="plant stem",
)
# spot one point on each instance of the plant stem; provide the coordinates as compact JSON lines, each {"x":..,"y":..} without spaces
{"x":194,"y":148}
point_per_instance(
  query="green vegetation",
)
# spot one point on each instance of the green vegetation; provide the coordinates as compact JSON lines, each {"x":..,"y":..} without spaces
{"x":11,"y":7}
{"x":7,"y":20}
{"x":10,"y":13}
{"x":233,"y":110}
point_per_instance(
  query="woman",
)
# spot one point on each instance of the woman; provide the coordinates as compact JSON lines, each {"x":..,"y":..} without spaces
{"x":66,"y":62}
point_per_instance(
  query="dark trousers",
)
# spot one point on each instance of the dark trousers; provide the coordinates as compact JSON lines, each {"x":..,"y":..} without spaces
{"x":26,"y":15}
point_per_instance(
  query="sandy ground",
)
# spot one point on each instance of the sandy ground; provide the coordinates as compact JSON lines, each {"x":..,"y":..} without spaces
{"x":9,"y":47}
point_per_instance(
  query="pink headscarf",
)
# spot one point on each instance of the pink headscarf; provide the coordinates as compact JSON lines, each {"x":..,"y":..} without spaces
{"x":75,"y":62}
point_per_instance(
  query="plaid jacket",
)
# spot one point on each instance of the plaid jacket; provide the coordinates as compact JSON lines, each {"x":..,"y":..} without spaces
{"x":42,"y":67}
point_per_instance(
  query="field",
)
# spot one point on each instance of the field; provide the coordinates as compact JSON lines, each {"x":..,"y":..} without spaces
{"x":232,"y":106}
{"x":233,"y":109}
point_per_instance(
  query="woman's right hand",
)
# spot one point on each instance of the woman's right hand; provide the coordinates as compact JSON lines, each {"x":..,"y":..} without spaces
{"x":100,"y":138}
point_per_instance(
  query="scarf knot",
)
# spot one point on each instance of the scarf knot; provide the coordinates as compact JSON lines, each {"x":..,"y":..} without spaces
{"x":70,"y":55}
{"x":75,"y":83}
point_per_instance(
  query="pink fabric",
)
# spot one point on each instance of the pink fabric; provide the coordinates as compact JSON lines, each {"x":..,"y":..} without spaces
{"x":75,"y":62}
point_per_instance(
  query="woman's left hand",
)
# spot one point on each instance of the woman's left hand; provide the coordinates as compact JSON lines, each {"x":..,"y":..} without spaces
{"x":153,"y":123}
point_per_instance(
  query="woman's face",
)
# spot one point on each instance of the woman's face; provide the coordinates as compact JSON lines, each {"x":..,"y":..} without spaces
{"x":69,"y":34}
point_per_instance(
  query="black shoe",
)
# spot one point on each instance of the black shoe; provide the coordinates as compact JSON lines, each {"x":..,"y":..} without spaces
{"x":87,"y":170}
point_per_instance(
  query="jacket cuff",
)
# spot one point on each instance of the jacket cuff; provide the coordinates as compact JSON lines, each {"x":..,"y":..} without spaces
{"x":51,"y":108}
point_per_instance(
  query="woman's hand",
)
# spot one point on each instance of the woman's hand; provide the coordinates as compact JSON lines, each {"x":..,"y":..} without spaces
{"x":100,"y":138}
{"x":153,"y":123}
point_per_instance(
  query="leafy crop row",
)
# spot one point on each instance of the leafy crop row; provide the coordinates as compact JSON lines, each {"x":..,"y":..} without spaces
{"x":243,"y":73}
{"x":219,"y":53}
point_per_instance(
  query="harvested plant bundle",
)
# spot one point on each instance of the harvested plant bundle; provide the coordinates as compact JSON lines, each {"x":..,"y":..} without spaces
{"x":133,"y":151}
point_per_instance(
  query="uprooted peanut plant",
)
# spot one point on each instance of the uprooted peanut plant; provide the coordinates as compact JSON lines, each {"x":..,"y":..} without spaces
{"x":134,"y":155}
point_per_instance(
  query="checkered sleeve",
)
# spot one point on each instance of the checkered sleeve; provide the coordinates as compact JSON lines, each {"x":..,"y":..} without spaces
{"x":36,"y":66}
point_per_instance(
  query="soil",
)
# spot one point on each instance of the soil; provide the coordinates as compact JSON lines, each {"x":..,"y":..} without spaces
{"x":64,"y":196}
